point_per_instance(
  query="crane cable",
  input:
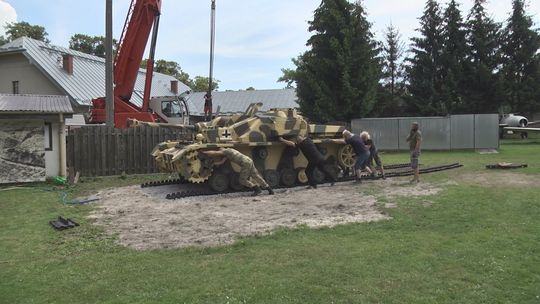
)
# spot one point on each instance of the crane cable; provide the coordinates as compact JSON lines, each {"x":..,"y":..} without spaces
{"x":212,"y":41}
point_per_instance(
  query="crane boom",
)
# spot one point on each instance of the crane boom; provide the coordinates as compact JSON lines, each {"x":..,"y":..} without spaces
{"x":141,"y":17}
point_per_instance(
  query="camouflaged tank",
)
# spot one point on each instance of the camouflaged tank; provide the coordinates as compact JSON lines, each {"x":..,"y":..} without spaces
{"x":257,"y":136}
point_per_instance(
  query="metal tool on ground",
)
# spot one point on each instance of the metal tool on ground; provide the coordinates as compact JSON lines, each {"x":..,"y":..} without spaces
{"x":504,"y":165}
{"x":63,"y":223}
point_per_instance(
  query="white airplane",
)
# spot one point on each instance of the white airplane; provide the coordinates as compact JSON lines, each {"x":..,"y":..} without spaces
{"x":510,"y":123}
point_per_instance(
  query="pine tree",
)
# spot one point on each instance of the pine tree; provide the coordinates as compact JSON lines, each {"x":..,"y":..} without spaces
{"x":453,"y":61}
{"x":392,"y":88}
{"x":483,"y":87}
{"x":424,"y":67}
{"x":337,"y":78}
{"x":521,"y":61}
{"x":393,"y":49}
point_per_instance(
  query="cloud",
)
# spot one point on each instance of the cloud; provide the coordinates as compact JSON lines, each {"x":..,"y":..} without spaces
{"x":7,"y":14}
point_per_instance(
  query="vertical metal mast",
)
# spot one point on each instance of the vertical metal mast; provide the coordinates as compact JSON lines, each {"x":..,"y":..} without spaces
{"x":212,"y":40}
{"x":109,"y":103}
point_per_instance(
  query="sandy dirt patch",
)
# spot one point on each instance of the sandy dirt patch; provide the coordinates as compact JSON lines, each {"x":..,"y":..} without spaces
{"x":143,"y":218}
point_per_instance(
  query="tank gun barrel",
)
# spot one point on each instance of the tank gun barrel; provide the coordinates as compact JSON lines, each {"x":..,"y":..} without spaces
{"x":132,"y":123}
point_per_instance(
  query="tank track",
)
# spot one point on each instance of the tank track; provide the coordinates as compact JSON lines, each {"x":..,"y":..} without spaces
{"x":190,"y":193}
{"x":396,"y":166}
{"x":164,"y":182}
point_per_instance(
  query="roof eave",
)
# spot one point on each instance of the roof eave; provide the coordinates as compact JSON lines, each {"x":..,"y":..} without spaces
{"x":11,"y":51}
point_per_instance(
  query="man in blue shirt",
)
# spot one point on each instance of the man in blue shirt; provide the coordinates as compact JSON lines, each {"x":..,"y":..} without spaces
{"x":360,"y":149}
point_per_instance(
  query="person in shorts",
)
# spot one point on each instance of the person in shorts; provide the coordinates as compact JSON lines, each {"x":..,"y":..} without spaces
{"x":208,"y":106}
{"x":360,"y":149}
{"x":374,"y":157}
{"x":415,"y":141}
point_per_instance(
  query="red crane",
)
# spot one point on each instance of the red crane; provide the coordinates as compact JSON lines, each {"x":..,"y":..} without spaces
{"x":143,"y":15}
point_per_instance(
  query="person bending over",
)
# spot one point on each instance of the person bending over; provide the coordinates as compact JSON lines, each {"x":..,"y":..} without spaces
{"x":359,"y":148}
{"x":247,"y":169}
{"x":314,"y":157}
{"x":374,"y":156}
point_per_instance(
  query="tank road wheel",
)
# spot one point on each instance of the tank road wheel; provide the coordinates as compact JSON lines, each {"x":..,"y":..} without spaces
{"x":346,"y":156}
{"x":260,"y":153}
{"x":288,"y":177}
{"x":194,"y":168}
{"x":234,"y":182}
{"x":218,"y":182}
{"x":333,"y":169}
{"x":271,"y":177}
{"x":301,"y":175}
{"x":318,"y":176}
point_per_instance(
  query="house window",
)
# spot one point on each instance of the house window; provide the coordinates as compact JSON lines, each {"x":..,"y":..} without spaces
{"x":48,"y":137}
{"x":15,"y":87}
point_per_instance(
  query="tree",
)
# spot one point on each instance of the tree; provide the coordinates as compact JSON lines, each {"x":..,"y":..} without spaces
{"x":200,"y":84}
{"x":170,"y":68}
{"x":482,"y":83}
{"x":521,"y":61}
{"x":337,"y":78}
{"x":393,"y":49}
{"x":288,"y":77}
{"x":453,"y":59}
{"x":16,"y":30}
{"x":424,"y":67}
{"x":3,"y":40}
{"x":392,"y":87}
{"x":250,"y":89}
{"x":93,"y":45}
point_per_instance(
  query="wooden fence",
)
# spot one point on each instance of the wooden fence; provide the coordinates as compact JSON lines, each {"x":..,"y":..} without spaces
{"x":102,"y":150}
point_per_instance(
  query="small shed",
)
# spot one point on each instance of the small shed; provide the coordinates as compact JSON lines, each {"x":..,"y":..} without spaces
{"x":32,"y":137}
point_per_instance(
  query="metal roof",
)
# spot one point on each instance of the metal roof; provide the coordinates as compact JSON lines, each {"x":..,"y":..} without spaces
{"x":15,"y":103}
{"x":87,"y":81}
{"x":238,"y":101}
{"x":76,"y":120}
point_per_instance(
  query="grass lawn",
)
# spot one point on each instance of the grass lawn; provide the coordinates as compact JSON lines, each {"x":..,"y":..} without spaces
{"x":473,"y":244}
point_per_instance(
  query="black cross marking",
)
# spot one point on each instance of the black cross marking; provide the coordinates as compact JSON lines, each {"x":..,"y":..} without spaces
{"x":226,"y":134}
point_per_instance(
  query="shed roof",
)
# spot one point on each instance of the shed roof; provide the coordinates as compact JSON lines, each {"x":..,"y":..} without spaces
{"x":14,"y":103}
{"x":87,"y":81}
{"x":238,"y":101}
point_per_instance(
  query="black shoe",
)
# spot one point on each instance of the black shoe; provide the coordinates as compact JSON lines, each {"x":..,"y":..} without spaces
{"x":383,"y":176}
{"x":358,"y":181}
{"x":256,"y":191}
{"x":270,"y":191}
{"x":311,"y":187}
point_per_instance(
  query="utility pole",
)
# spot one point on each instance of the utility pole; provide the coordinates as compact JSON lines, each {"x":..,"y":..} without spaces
{"x":208,"y":100}
{"x":109,"y":89}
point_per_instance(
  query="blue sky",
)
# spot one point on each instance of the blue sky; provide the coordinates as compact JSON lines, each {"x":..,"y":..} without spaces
{"x":255,"y":39}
